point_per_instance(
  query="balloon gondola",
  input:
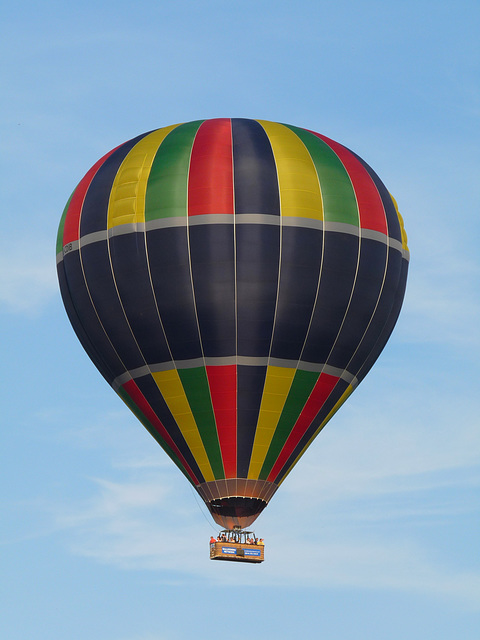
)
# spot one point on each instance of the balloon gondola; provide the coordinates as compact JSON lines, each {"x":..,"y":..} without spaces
{"x":233,"y":280}
{"x":237,"y":545}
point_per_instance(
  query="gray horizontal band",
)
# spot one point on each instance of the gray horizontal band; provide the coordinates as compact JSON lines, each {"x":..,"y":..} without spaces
{"x":244,"y":218}
{"x":234,"y":360}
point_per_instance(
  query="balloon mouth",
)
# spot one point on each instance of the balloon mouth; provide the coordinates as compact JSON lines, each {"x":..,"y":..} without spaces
{"x":236,"y":512}
{"x":236,"y":502}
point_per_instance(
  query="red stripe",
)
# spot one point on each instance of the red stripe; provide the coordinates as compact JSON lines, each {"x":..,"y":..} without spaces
{"x":141,"y":402}
{"x":320,"y":393}
{"x":370,"y":205}
{"x":223,"y":390}
{"x":210,"y":180}
{"x":71,"y":229}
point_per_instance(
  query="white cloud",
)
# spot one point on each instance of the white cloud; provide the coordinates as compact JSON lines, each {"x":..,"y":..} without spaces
{"x":371,"y":563}
{"x":115,"y":499}
{"x":376,"y":452}
{"x":151,"y":523}
{"x":442,"y":304}
{"x":363,"y":501}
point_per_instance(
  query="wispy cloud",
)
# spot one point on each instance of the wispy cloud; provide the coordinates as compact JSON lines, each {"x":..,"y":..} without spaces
{"x":372,"y":486}
{"x":140,"y":526}
{"x":371,"y":563}
{"x":152,"y":523}
{"x":374,"y":451}
{"x":442,"y":305}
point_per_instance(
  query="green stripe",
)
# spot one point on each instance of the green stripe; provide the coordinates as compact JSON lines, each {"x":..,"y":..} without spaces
{"x":167,"y":185}
{"x":61,"y":226}
{"x":197,"y":390}
{"x":153,"y":432}
{"x":339,"y":201}
{"x":302,"y":386}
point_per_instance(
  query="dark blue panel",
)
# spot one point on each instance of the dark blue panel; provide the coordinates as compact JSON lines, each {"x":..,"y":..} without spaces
{"x":255,"y":173}
{"x":395,"y":287}
{"x":150,"y":390}
{"x":101,"y":286}
{"x":95,"y":206}
{"x":331,"y":401}
{"x":84,"y":319}
{"x":168,"y":256}
{"x":258,"y":251}
{"x":389,"y":324}
{"x":368,"y":283}
{"x":299,"y":270}
{"x":336,"y":283}
{"x":382,"y":313}
{"x":132,"y":277}
{"x":212,"y":252}
{"x":250,"y":383}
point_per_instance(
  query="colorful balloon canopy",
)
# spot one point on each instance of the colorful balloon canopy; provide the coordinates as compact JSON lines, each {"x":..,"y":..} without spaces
{"x":233,"y":280}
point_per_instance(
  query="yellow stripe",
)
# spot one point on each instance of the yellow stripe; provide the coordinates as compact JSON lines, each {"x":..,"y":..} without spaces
{"x":300,"y":194}
{"x":402,"y":227}
{"x":346,"y":394}
{"x":277,"y":385}
{"x":173,"y":393}
{"x":127,"y":196}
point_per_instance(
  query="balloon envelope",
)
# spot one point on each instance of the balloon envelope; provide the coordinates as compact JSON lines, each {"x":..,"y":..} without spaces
{"x":233,"y":280}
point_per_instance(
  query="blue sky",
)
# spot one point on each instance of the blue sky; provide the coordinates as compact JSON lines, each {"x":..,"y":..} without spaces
{"x":375,"y":533}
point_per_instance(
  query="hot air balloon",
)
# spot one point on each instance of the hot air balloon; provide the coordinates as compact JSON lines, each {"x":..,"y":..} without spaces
{"x":233,"y":280}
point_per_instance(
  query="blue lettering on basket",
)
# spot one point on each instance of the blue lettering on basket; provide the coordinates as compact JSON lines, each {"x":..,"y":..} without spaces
{"x":231,"y":550}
